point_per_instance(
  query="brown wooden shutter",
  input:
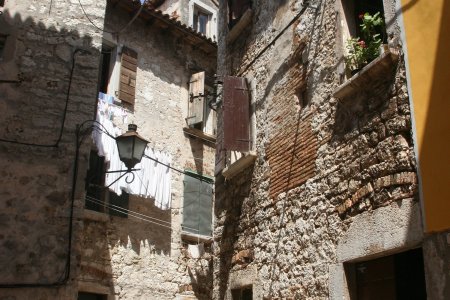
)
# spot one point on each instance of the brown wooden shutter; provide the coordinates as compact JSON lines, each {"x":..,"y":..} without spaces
{"x":127,"y":86}
{"x":236,"y":114}
{"x":196,"y":104}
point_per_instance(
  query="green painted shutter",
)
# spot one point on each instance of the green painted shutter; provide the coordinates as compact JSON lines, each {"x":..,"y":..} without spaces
{"x":197,"y":208}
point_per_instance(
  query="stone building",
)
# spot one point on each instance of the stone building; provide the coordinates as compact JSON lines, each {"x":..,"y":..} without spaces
{"x":63,"y":234}
{"x":317,"y":191}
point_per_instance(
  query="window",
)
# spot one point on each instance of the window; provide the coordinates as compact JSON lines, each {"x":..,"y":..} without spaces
{"x":245,"y":293}
{"x":2,"y":3}
{"x":202,"y":21}
{"x":351,"y":14}
{"x":118,"y":73}
{"x":203,"y":18}
{"x":2,"y":44}
{"x":98,"y":198}
{"x":399,"y":276}
{"x":236,"y":9}
{"x":197,"y":205}
{"x":200,"y":115}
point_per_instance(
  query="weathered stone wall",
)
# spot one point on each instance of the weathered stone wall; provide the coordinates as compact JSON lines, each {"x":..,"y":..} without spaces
{"x":131,"y":258}
{"x":323,"y":163}
{"x":39,"y":64}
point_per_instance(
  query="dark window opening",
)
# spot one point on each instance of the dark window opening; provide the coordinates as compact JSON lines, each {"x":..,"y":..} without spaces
{"x":96,"y":193}
{"x":400,"y":276}
{"x":94,"y":183}
{"x":372,"y":7}
{"x":105,"y":68}
{"x":91,"y":296}
{"x":2,"y":3}
{"x":245,"y":293}
{"x":236,"y":8}
{"x":2,"y":44}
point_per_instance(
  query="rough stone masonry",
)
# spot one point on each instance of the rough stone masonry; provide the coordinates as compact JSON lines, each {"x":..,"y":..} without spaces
{"x":334,"y":180}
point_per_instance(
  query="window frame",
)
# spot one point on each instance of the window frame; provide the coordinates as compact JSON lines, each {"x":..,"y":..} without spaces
{"x":198,"y":6}
{"x":348,"y":28}
{"x":208,"y":123}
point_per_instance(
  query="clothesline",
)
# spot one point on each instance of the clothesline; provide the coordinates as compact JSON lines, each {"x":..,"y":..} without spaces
{"x":154,"y":174}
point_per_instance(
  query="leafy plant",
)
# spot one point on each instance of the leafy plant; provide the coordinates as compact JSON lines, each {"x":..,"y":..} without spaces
{"x":362,"y":51}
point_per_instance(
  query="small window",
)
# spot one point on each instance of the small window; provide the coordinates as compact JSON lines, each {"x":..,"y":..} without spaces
{"x":361,"y":46}
{"x":91,"y":296}
{"x":245,"y":293}
{"x":95,"y":179}
{"x":2,"y":3}
{"x":399,"y":276}
{"x":202,"y":21}
{"x":118,"y":74}
{"x":203,"y":18}
{"x":197,"y":205}
{"x":2,"y":44}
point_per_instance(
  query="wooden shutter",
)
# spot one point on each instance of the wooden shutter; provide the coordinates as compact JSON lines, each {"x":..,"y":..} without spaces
{"x":236,"y":114}
{"x":196,"y":104}
{"x":128,"y":68}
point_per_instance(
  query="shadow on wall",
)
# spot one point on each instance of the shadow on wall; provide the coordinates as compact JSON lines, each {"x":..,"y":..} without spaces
{"x":137,"y":232}
{"x":36,"y":181}
{"x":232,"y":197}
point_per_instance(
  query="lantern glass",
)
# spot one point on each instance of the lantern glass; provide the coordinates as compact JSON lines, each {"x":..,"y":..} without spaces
{"x":131,"y":147}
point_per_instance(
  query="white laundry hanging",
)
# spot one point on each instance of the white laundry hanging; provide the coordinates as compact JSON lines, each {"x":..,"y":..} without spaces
{"x":153,"y":177}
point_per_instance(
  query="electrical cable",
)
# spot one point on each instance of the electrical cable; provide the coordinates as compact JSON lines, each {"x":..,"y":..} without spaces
{"x":240,"y":73}
{"x":112,"y":32}
{"x":134,"y":214}
{"x":58,"y":140}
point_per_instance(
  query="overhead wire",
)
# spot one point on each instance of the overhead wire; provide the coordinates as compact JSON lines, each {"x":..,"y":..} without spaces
{"x":63,"y":121}
{"x":113,"y":32}
{"x":134,"y":214}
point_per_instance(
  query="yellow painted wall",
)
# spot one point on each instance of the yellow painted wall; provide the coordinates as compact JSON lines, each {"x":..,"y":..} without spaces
{"x":427,"y":29}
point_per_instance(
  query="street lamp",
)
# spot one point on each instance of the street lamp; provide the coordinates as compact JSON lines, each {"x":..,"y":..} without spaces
{"x":131,"y":146}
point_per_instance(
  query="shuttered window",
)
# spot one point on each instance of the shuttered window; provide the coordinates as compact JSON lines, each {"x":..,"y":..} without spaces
{"x":236,"y":8}
{"x":196,"y":101}
{"x":236,"y":114}
{"x":127,"y":86}
{"x":197,"y":207}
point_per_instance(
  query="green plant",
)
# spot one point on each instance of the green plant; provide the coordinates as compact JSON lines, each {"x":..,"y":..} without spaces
{"x":362,"y":51}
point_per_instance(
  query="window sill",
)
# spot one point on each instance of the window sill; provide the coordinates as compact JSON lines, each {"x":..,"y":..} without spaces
{"x":369,"y":76}
{"x":200,"y":134}
{"x":239,"y":165}
{"x":240,"y":26}
{"x":95,"y":216}
{"x":192,"y":237}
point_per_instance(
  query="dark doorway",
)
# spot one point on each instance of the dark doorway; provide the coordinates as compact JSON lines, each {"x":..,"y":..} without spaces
{"x":397,"y":277}
{"x":91,"y":296}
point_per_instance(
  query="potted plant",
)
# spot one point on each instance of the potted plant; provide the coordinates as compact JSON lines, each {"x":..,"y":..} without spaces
{"x":362,"y":51}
